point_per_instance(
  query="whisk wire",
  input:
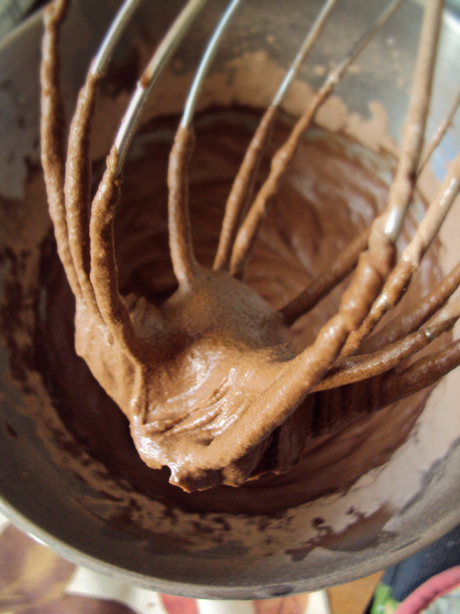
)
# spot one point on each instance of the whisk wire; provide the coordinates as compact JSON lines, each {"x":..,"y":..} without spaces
{"x":402,"y":187}
{"x":346,"y":261}
{"x":243,"y":183}
{"x":304,"y":50}
{"x":99,"y":65}
{"x":180,"y":232}
{"x":414,"y":130}
{"x":169,"y":44}
{"x":248,"y":231}
{"x":52,"y":127}
{"x":440,"y":131}
{"x":337,"y":73}
{"x":406,"y":323}
{"x":205,"y":64}
{"x":375,"y":264}
{"x":401,"y":275}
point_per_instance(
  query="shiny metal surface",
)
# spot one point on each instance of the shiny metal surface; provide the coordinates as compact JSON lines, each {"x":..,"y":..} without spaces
{"x":11,"y":13}
{"x":49,"y":502}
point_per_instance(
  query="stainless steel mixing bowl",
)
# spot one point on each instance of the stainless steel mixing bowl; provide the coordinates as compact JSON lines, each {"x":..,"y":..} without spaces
{"x":398,"y":508}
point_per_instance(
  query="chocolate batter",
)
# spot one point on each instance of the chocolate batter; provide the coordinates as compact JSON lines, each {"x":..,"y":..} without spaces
{"x":208,"y":380}
{"x":337,"y":436}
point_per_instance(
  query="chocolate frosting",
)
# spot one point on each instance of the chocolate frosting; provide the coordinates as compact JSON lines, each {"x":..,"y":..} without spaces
{"x":332,"y":432}
{"x":207,"y":378}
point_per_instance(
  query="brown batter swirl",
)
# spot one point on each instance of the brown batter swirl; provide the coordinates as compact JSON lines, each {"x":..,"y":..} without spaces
{"x":210,"y":385}
{"x":339,"y":439}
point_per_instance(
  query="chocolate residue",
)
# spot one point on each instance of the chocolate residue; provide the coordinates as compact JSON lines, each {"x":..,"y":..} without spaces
{"x":327,"y":198}
{"x":361,"y":534}
{"x":208,"y":380}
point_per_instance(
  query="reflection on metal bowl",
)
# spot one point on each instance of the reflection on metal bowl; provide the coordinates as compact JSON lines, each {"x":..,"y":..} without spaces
{"x":49,"y":484}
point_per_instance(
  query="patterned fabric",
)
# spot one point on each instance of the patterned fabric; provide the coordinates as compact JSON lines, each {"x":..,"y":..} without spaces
{"x":35,"y":580}
{"x":438,"y":595}
{"x":384,"y":602}
{"x":447,"y":604}
{"x":404,"y":580}
{"x":405,"y":577}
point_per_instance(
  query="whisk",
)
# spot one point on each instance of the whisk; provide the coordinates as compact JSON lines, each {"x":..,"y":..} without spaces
{"x":207,"y":380}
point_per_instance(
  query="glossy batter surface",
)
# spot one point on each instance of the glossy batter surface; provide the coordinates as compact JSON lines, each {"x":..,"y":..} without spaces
{"x":332,"y":191}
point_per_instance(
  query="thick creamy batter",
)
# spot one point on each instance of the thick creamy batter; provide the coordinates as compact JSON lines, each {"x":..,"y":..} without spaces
{"x":331,"y":193}
{"x":207,"y":378}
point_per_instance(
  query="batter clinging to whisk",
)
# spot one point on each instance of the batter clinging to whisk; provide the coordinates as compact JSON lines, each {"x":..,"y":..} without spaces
{"x":207,"y":379}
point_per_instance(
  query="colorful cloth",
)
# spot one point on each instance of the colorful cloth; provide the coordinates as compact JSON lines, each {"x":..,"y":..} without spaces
{"x":426,"y":582}
{"x":439,"y":595}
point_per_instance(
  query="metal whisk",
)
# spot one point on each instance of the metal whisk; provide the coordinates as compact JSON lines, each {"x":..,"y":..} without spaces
{"x":225,"y":432}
